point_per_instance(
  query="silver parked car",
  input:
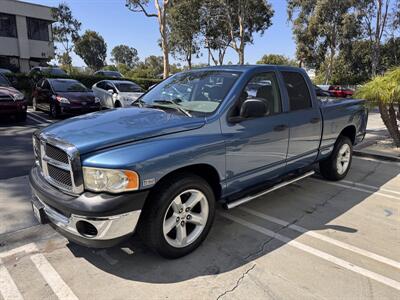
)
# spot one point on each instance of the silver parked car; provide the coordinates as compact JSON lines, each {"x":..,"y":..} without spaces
{"x":117,"y":93}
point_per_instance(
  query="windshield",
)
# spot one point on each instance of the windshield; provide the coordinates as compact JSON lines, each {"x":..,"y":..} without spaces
{"x":112,"y":74}
{"x":68,"y":86}
{"x":4,"y":81}
{"x":127,"y":87}
{"x":195,"y":91}
{"x":54,"y":71}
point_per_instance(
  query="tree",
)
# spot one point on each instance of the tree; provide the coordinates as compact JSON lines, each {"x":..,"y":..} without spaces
{"x":321,"y":28}
{"x":276,"y":59}
{"x":124,"y":55}
{"x":375,"y":19}
{"x":92,"y":48}
{"x":384,"y":90}
{"x":244,"y":18}
{"x":65,"y":32}
{"x":162,"y":7}
{"x":184,"y":24}
{"x":215,"y":30}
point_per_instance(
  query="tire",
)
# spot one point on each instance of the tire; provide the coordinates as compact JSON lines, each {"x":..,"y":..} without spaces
{"x":54,"y":111}
{"x":166,"y":216}
{"x":117,"y":104}
{"x":338,"y":164}
{"x":21,"y":116}
{"x":34,"y":104}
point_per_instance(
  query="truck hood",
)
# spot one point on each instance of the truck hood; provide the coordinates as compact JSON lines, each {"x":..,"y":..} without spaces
{"x":113,"y":127}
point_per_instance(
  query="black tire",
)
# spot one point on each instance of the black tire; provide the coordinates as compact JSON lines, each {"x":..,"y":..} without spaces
{"x":54,"y":112}
{"x":117,"y":104}
{"x":329,"y":167}
{"x":156,"y":209}
{"x":21,"y":116}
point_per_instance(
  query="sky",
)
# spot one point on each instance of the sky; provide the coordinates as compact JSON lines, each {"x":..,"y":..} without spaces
{"x":117,"y":25}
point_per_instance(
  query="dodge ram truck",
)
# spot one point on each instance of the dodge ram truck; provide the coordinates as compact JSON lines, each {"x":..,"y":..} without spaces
{"x":224,"y":134}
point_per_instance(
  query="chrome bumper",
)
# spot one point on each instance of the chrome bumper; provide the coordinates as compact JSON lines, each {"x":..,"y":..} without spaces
{"x":106,"y":228}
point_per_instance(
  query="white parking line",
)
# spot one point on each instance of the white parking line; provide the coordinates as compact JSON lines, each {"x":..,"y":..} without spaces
{"x":377,"y":160}
{"x":324,"y":238}
{"x":328,"y":257}
{"x":59,"y":287}
{"x":355,"y":188}
{"x":8,"y":289}
{"x":42,"y":119}
{"x":37,"y":120}
{"x":28,"y":248}
{"x":374,"y":188}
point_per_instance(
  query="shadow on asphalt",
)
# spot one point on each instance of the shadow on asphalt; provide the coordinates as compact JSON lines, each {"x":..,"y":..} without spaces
{"x":230,"y":245}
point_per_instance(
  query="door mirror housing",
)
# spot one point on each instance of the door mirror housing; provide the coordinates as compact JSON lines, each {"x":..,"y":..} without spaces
{"x":110,"y":91}
{"x":253,"y":108}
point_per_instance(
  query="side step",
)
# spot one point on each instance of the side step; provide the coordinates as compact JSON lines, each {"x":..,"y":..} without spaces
{"x":275,"y":187}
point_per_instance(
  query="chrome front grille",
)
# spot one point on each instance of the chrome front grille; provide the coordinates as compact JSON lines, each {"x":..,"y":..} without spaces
{"x":59,"y":163}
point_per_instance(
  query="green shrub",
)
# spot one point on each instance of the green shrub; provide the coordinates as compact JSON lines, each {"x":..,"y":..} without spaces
{"x":25,"y":82}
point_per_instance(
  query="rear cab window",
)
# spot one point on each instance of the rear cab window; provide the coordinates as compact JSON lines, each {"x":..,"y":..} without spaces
{"x":298,"y":92}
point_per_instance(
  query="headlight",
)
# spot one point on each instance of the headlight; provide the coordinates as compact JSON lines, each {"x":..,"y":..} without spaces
{"x":18,"y":97}
{"x":96,"y":100}
{"x":62,"y":100}
{"x":110,"y":180}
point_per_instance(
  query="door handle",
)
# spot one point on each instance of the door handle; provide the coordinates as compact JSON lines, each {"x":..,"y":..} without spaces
{"x":280,"y":127}
{"x":315,"y":120}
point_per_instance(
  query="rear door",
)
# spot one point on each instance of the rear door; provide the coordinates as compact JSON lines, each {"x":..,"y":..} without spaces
{"x":256,"y":148}
{"x":304,"y":117}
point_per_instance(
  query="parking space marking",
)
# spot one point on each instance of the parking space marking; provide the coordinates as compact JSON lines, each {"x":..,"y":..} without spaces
{"x":376,"y":160}
{"x":325,"y":256}
{"x":28,"y":248}
{"x":324,"y":238}
{"x":59,"y":287}
{"x":355,"y":188}
{"x":8,"y":288}
{"x":374,"y":188}
{"x":36,"y":119}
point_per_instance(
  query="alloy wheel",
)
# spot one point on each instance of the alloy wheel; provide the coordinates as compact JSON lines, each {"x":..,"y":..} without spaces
{"x":343,"y":159}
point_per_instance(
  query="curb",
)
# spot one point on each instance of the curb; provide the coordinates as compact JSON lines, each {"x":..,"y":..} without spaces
{"x":376,"y":156}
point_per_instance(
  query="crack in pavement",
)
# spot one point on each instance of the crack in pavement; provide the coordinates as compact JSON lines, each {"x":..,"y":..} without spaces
{"x":237,"y":282}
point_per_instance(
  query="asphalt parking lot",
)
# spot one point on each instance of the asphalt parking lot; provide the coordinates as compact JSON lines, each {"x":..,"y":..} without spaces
{"x":311,"y":240}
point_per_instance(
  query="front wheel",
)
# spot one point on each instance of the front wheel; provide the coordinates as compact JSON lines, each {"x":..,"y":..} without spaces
{"x":178,"y":216}
{"x":338,"y":164}
{"x":54,"y":111}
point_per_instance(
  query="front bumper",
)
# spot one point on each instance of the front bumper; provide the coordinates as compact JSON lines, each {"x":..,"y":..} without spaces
{"x":92,"y":220}
{"x":77,"y":110}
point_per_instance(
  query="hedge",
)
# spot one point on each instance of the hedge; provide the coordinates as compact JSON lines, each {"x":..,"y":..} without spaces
{"x":25,"y":82}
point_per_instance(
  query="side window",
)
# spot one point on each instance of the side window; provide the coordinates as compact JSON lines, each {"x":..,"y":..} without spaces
{"x":40,"y":83}
{"x":101,"y":85}
{"x":299,"y":95}
{"x":109,"y":86}
{"x":265,"y":87}
{"x":46,"y":85}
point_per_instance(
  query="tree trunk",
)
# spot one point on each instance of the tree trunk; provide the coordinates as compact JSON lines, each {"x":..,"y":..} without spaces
{"x":390,"y":123}
{"x":328,"y":73}
{"x":162,"y":14}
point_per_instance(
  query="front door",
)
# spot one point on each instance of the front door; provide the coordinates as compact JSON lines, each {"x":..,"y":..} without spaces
{"x":256,"y":148}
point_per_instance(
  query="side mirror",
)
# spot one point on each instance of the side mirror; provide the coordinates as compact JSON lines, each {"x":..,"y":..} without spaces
{"x":110,"y":91}
{"x":253,"y":108}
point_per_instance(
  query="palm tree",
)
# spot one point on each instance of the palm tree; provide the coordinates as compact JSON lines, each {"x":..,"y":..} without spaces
{"x":384,"y":91}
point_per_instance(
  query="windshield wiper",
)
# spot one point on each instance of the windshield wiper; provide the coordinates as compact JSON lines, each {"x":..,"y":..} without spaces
{"x":159,"y":103}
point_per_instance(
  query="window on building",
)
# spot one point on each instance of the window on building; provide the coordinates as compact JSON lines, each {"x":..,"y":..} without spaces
{"x":8,"y":26}
{"x":38,"y":29}
{"x":299,"y":95}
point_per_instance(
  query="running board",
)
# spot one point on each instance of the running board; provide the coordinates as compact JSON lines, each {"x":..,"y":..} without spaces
{"x":275,"y":187}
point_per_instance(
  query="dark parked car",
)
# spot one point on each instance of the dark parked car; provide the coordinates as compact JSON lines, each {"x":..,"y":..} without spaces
{"x":112,"y":74}
{"x":43,"y":71}
{"x":341,"y":92}
{"x":228,"y":134}
{"x":320,"y":92}
{"x":63,"y":96}
{"x":12,"y":102}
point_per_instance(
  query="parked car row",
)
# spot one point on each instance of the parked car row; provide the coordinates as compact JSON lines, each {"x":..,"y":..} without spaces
{"x":12,"y":102}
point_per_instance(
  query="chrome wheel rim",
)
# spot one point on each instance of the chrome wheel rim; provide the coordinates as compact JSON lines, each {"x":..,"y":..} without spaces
{"x":343,"y":159}
{"x":185,"y":218}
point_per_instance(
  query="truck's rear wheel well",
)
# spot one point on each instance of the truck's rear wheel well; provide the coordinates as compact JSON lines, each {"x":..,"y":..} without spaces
{"x":207,"y":172}
{"x":350,"y":132}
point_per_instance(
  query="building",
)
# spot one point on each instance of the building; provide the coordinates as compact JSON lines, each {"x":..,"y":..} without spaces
{"x":25,"y":35}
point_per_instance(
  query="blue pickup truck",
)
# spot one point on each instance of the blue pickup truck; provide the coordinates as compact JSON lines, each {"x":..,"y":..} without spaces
{"x":228,"y":134}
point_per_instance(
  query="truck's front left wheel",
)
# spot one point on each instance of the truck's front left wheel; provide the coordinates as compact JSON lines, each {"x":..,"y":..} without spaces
{"x":178,"y":216}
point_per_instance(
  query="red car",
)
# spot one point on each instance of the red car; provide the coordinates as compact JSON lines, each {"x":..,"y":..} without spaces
{"x":338,"y":91}
{"x":12,"y":101}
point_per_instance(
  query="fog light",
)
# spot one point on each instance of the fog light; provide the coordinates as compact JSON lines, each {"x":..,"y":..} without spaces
{"x":86,"y":229}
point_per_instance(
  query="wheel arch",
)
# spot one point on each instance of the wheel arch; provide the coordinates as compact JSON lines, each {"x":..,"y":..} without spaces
{"x":350,"y":132}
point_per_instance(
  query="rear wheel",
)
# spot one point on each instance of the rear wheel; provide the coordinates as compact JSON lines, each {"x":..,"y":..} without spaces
{"x":117,"y":104}
{"x":338,"y":164}
{"x":178,"y":216}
